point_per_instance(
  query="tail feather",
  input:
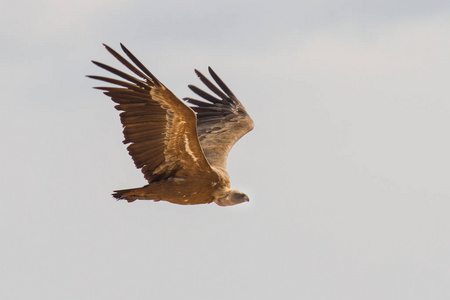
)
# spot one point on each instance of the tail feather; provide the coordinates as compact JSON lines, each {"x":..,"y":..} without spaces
{"x":142,"y":193}
{"x":121,"y":195}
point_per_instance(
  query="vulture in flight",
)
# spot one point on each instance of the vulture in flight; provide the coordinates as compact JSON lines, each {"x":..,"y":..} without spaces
{"x":182,"y":150}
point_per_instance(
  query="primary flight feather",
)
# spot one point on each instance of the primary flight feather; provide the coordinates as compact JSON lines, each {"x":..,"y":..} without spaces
{"x":182,"y":150}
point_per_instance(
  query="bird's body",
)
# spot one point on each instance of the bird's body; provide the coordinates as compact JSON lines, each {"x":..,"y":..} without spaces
{"x":181,"y":150}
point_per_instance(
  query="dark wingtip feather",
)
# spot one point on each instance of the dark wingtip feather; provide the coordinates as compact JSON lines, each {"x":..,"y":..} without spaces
{"x":198,"y":102}
{"x":204,"y":94}
{"x":139,"y":64}
{"x":210,"y":85}
{"x":219,"y":81}
{"x":121,"y":74}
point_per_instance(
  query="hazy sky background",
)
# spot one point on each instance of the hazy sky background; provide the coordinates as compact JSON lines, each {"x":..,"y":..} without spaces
{"x":347,"y":169}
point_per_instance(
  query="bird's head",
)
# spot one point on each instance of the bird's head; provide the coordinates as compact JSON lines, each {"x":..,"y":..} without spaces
{"x":234,"y":197}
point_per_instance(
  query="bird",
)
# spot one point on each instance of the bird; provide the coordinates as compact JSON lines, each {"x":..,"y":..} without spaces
{"x":181,"y":147}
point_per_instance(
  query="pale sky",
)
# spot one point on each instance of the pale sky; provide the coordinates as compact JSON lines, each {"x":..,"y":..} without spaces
{"x":347,"y":169}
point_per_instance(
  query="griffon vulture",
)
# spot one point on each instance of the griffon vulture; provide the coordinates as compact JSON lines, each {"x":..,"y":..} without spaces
{"x":182,"y":150}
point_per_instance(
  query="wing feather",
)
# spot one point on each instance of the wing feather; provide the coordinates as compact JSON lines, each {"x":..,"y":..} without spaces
{"x":158,"y":127}
{"x":220,"y":122}
{"x":204,"y":94}
{"x":211,"y":85}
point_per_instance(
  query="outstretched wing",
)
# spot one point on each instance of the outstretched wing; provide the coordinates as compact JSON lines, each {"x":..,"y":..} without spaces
{"x":160,"y":128}
{"x":221,"y":120}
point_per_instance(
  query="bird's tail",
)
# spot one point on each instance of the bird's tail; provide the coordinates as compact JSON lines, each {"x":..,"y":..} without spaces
{"x":125,"y":195}
{"x":142,"y":193}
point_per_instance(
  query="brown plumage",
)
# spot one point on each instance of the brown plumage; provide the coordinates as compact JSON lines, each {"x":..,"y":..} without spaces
{"x":182,"y":150}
